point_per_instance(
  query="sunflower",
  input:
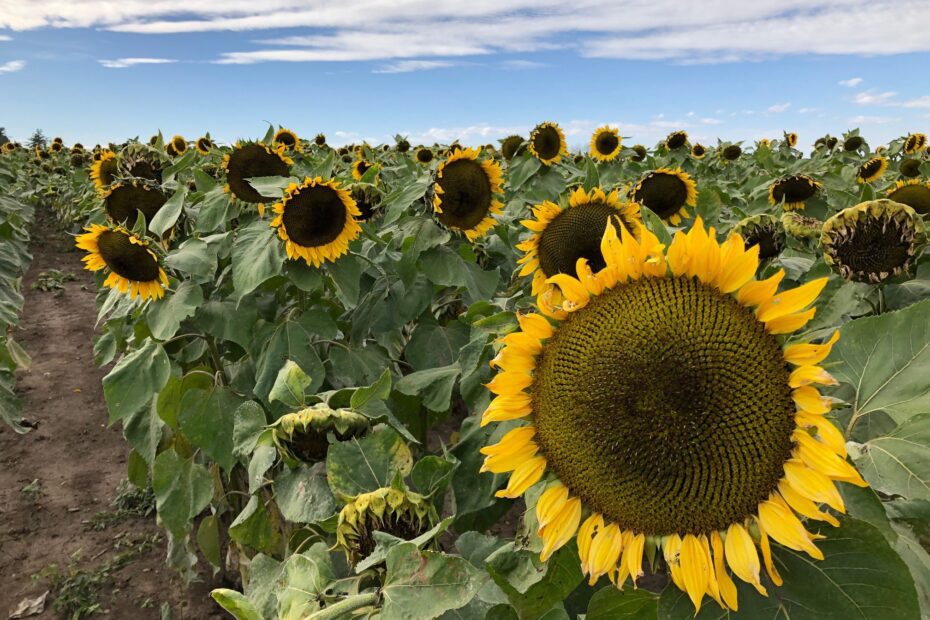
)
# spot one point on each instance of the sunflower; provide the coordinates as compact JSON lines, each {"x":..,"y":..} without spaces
{"x":640,"y":151}
{"x":144,"y":168}
{"x":698,"y":151}
{"x":831,"y":142}
{"x":915,"y":143}
{"x":853,"y":143}
{"x":676,"y":140}
{"x":791,"y":139}
{"x":873,"y":240}
{"x":8,"y":147}
{"x":547,"y":143}
{"x":286,"y":138}
{"x":170,"y":150}
{"x":909,"y":168}
{"x":57,"y":141}
{"x":667,"y":193}
{"x":303,"y":436}
{"x":424,"y":155}
{"x":57,"y":147}
{"x":316,"y":220}
{"x":466,"y":191}
{"x":605,"y":144}
{"x":398,"y":512}
{"x":762,"y":230}
{"x":103,"y":170}
{"x":872,"y":170}
{"x":204,"y":145}
{"x":562,"y":236}
{"x":124,"y":200}
{"x":249,"y":160}
{"x":913,"y":193}
{"x":133,"y":267}
{"x":367,"y":198}
{"x":77,"y":160}
{"x":179,"y":144}
{"x":800,"y":226}
{"x":402,"y":145}
{"x":764,"y":143}
{"x":320,"y":140}
{"x":731,"y":152}
{"x":645,"y":414}
{"x":359,"y":168}
{"x":794,"y":190}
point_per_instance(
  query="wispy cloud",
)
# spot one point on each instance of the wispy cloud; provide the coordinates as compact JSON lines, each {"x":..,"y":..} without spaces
{"x":778,"y":107}
{"x":123,"y":63}
{"x":406,"y":66}
{"x":920,"y":102}
{"x":871,"y":97}
{"x":4,"y":37}
{"x":872,"y":120}
{"x":13,"y":66}
{"x":851,"y":82}
{"x":521,"y":65}
{"x":806,"y":110}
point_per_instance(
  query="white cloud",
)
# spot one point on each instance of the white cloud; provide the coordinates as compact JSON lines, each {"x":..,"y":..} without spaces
{"x":711,"y":121}
{"x":13,"y":66}
{"x":871,"y":97}
{"x":851,"y":82}
{"x":872,"y":120}
{"x":520,"y":65}
{"x":406,"y":66}
{"x":779,"y":107}
{"x":122,"y":63}
{"x":4,"y":37}
{"x":920,"y":102}
{"x":806,"y":110}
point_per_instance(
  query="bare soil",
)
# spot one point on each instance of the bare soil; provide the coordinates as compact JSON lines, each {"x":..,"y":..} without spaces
{"x":77,"y":460}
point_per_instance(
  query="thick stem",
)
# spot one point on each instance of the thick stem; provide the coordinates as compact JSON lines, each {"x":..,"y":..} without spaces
{"x":340,"y":609}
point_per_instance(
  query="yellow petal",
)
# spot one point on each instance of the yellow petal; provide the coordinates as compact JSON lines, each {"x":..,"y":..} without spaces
{"x":561,"y":529}
{"x":535,"y":325}
{"x":802,"y":505}
{"x":550,"y":503}
{"x":738,"y":265}
{"x":605,"y":551}
{"x":759,"y":291}
{"x":790,"y":301}
{"x":509,"y":383}
{"x":807,"y":375}
{"x":724,"y":581}
{"x":808,"y":399}
{"x":633,"y":556}
{"x":767,"y":555}
{"x":813,"y":485}
{"x":781,"y":524}
{"x":694,"y":569}
{"x":586,"y":534}
{"x":571,"y":288}
{"x":810,"y":354}
{"x":791,"y":322}
{"x":742,"y":557}
{"x":820,"y":457}
{"x":507,"y":408}
{"x":525,"y":476}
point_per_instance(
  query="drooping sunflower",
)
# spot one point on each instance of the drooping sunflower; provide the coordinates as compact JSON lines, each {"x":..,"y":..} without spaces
{"x":359,"y":168}
{"x":145,"y":168}
{"x":547,"y":143}
{"x":316,"y":220}
{"x":831,"y":142}
{"x":698,"y":151}
{"x":605,"y":144}
{"x":873,"y":240}
{"x":399,"y":512}
{"x":103,"y":171}
{"x":124,"y":200}
{"x":641,"y":410}
{"x":915,"y":143}
{"x":302,"y":436}
{"x":666,"y":192}
{"x":913,"y":193}
{"x":800,"y":226}
{"x":320,"y":140}
{"x":77,"y":160}
{"x":676,"y":140}
{"x":249,"y":160}
{"x":204,"y":145}
{"x":56,"y":147}
{"x":170,"y":151}
{"x":872,"y":170}
{"x":402,"y":146}
{"x":8,"y":147}
{"x":909,"y":168}
{"x":765,"y":231}
{"x":179,"y":144}
{"x":466,"y":193}
{"x":791,"y":139}
{"x":367,"y":198}
{"x":132,"y":266}
{"x":511,"y":146}
{"x":286,"y":138}
{"x":731,"y":152}
{"x":853,"y":143}
{"x":424,"y":155}
{"x":562,"y":236}
{"x":640,"y":151}
{"x":58,"y":140}
{"x":794,"y":190}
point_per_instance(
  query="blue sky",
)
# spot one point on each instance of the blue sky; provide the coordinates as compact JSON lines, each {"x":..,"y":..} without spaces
{"x":95,"y":70}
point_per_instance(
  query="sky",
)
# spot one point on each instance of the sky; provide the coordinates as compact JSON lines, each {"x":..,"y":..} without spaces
{"x":96,"y":71}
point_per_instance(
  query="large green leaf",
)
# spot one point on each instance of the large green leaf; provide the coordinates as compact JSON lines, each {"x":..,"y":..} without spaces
{"x":563,"y":574}
{"x":362,"y":465}
{"x":182,"y":490}
{"x":609,"y":603}
{"x":207,"y":420}
{"x":303,"y":495}
{"x":135,"y":380}
{"x":257,"y":526}
{"x":257,"y":255}
{"x":236,"y":603}
{"x":165,"y":316}
{"x":168,"y":214}
{"x":434,"y":386}
{"x":291,"y":340}
{"x":899,"y":463}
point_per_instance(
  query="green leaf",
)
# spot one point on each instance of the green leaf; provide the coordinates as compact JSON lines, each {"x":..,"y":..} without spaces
{"x":609,"y":603}
{"x":207,"y":420}
{"x":236,"y":604}
{"x":302,"y":494}
{"x":135,"y":380}
{"x":432,"y":475}
{"x":426,"y":584}
{"x":367,"y":464}
{"x":142,"y":430}
{"x":257,"y":528}
{"x":377,"y":391}
{"x":195,"y":257}
{"x":182,"y":490}
{"x":257,"y":255}
{"x":291,"y":340}
{"x":249,"y":424}
{"x":208,"y":539}
{"x":434,"y":386}
{"x":563,"y":574}
{"x":433,"y":345}
{"x":212,"y":210}
{"x":290,"y":386}
{"x":445,"y":267}
{"x":164,"y":316}
{"x":885,"y":361}
{"x":137,"y":470}
{"x":899,"y":463}
{"x":167,"y":216}
{"x":346,"y":274}
{"x":655,"y":224}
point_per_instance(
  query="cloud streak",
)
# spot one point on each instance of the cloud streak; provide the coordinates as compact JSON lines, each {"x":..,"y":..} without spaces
{"x":12,"y":66}
{"x":123,"y":63}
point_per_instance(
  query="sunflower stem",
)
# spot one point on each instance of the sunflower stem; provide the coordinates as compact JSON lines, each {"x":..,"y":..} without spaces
{"x":882,"y":305}
{"x":344,"y":607}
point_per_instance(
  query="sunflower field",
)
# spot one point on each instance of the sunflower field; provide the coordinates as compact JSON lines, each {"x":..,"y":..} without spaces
{"x":513,"y":381}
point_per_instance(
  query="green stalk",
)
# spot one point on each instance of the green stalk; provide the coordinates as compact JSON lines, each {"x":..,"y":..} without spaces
{"x":343,"y":607}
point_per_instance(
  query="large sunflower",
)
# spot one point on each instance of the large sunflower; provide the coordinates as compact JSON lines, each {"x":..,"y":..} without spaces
{"x":562,"y":236}
{"x":793,"y":190}
{"x":249,"y":160}
{"x":909,"y":167}
{"x":668,"y":415}
{"x":873,"y":240}
{"x":913,"y":193}
{"x":731,"y":152}
{"x":547,"y":143}
{"x":316,"y":220}
{"x":179,"y":144}
{"x":103,"y":171}
{"x":511,"y":146}
{"x":853,"y":143}
{"x":872,"y":170}
{"x":915,"y":143}
{"x":466,"y":192}
{"x":666,"y":192}
{"x":423,"y":155}
{"x":124,"y":200}
{"x":288,"y":139}
{"x":605,"y":144}
{"x":133,"y":267}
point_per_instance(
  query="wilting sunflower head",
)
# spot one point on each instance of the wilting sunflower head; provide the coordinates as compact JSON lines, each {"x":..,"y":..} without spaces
{"x":853,"y":143}
{"x":659,"y":398}
{"x":915,"y":143}
{"x":103,"y":171}
{"x":791,"y":139}
{"x":605,"y":144}
{"x":909,"y":168}
{"x":913,"y":193}
{"x":316,"y":220}
{"x":402,"y":146}
{"x":731,"y":152}
{"x":320,"y":140}
{"x":562,"y":236}
{"x":57,"y":141}
{"x":8,"y":147}
{"x":872,"y":170}
{"x":286,"y":138}
{"x":124,"y":200}
{"x":179,"y":144}
{"x":511,"y":146}
{"x":153,"y":140}
{"x":547,"y":143}
{"x":359,"y":168}
{"x":394,"y":511}
{"x":793,"y":191}
{"x":77,"y":160}
{"x":800,"y":226}
{"x":676,"y":140}
{"x":640,"y":151}
{"x":342,"y":151}
{"x":424,"y":155}
{"x":667,"y":193}
{"x":873,"y":240}
{"x":831,"y":142}
{"x":765,"y":231}
{"x":133,"y":268}
{"x":466,"y":193}
{"x":57,"y":147}
{"x":170,"y":150}
{"x":204,"y":145}
{"x":249,"y":160}
{"x":698,"y":151}
{"x":303,"y":436}
{"x":367,"y":198}
{"x":143,"y":167}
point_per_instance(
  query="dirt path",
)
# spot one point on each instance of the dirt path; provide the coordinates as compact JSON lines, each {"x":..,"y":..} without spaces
{"x":77,"y":463}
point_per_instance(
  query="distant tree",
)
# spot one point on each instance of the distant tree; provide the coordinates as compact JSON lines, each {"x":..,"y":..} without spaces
{"x":38,"y":139}
{"x":3,"y":137}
